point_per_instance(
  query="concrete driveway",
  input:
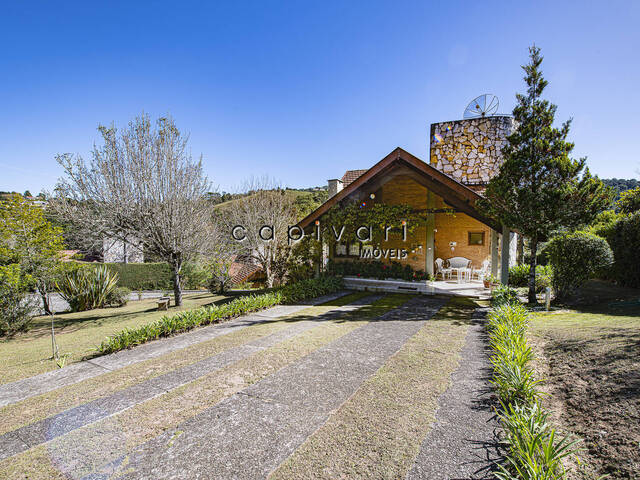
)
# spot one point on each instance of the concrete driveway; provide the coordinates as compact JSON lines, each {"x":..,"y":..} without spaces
{"x":355,"y":386}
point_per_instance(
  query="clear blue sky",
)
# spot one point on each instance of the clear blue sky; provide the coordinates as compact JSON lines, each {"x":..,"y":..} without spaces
{"x":304,"y":90}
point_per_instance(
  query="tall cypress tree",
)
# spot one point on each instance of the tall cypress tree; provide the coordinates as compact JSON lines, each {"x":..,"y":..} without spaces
{"x":540,"y":188}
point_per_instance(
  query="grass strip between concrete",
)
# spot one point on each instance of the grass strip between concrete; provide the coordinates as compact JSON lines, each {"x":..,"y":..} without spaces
{"x":92,"y":447}
{"x":378,"y":431}
{"x":51,"y":403}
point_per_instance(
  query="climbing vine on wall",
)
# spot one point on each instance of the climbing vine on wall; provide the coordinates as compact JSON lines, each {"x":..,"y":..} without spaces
{"x":378,"y":216}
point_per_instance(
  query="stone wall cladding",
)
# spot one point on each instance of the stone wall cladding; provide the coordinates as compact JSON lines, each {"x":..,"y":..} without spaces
{"x":470,"y":150}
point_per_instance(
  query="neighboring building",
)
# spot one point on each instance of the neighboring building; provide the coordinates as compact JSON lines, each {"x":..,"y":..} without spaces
{"x":464,"y":155}
{"x":119,"y":251}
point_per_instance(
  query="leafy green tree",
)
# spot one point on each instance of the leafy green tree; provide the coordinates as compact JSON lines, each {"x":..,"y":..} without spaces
{"x":29,"y":240}
{"x":629,"y":201}
{"x":16,"y":309}
{"x":540,"y":188}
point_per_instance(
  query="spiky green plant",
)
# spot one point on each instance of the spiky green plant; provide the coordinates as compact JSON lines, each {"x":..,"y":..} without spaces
{"x":535,"y":451}
{"x":87,"y":288}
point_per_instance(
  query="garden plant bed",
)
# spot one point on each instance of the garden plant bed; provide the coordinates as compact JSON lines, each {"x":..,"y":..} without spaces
{"x":590,"y":358}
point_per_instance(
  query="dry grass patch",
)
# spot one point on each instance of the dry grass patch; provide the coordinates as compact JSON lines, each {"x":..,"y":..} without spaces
{"x":591,"y":364}
{"x":79,"y":333}
{"x":377,"y":432}
{"x":51,"y":403}
{"x":36,"y":464}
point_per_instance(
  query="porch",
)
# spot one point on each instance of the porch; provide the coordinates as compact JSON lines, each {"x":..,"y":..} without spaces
{"x":474,"y":288}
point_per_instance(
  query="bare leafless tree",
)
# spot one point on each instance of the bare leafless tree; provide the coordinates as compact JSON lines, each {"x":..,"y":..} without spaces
{"x":261,"y":219}
{"x":142,"y":184}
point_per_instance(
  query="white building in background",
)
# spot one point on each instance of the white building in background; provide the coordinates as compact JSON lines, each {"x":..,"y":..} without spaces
{"x":119,"y":251}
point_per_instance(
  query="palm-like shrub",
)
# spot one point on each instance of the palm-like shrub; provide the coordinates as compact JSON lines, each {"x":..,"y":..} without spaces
{"x":88,"y":288}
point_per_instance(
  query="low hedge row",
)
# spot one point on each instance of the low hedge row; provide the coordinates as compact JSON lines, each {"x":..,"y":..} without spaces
{"x":187,"y":320}
{"x":534,"y":450}
{"x":142,"y":276}
{"x":375,"y":269}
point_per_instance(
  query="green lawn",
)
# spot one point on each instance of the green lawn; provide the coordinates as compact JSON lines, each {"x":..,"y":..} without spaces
{"x":79,"y":333}
{"x":589,"y":354}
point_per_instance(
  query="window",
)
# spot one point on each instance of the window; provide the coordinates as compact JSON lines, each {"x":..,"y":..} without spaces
{"x":354,"y":249}
{"x":476,"y":238}
{"x":348,"y":249}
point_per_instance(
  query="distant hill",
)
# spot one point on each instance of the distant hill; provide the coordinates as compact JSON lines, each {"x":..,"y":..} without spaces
{"x":621,"y":184}
{"x":306,"y":200}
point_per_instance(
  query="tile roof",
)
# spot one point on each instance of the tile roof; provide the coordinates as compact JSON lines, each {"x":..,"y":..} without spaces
{"x":351,"y":175}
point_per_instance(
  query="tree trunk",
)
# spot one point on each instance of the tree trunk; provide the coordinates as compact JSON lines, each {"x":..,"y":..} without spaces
{"x":520,"y":250}
{"x":269,"y":277}
{"x":176,"y":265}
{"x":532,"y":271}
{"x":45,"y":299}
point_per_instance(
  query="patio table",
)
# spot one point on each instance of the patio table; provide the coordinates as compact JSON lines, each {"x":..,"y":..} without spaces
{"x":463,"y":274}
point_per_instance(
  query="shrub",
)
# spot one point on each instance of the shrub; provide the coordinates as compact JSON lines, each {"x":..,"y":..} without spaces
{"x":183,"y":321}
{"x":194,"y":276}
{"x":118,"y":297}
{"x":575,"y":258}
{"x":16,"y":309}
{"x":310,"y":288}
{"x":143,"y":276}
{"x":504,"y":295}
{"x":88,"y":288}
{"x":379,"y":270}
{"x":519,"y":276}
{"x":625,"y":243}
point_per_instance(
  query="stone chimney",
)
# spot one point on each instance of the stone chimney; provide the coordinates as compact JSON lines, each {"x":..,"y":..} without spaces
{"x":335,"y":185}
{"x":470,"y":150}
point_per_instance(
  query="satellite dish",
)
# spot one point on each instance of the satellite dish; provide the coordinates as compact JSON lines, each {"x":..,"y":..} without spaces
{"x":482,"y":106}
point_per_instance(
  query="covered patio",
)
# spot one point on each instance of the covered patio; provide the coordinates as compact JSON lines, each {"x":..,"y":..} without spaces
{"x":474,"y":288}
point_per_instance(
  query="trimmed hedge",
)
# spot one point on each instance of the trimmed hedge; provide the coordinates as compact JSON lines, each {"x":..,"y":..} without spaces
{"x":142,"y":276}
{"x":375,"y":269}
{"x":576,"y":257}
{"x":625,"y":243}
{"x":188,"y":320}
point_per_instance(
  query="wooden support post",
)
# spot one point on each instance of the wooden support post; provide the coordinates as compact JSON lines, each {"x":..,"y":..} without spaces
{"x":506,"y":245}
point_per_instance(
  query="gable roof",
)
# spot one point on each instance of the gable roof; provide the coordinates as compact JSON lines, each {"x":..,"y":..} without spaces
{"x":456,"y":194}
{"x":351,"y":175}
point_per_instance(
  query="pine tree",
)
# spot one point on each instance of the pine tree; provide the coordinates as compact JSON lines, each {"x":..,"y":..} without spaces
{"x":540,"y":188}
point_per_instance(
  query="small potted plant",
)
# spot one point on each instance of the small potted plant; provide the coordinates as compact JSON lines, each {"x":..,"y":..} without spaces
{"x":489,"y":281}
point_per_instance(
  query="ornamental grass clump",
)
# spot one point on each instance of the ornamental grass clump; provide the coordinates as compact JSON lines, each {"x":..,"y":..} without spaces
{"x":188,"y":320}
{"x":534,"y":451}
{"x":88,"y":288}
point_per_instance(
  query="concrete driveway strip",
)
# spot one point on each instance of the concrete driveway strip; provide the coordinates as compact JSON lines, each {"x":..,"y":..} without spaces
{"x":463,"y":442}
{"x":249,"y":434}
{"x":22,"y":389}
{"x":47,"y":429}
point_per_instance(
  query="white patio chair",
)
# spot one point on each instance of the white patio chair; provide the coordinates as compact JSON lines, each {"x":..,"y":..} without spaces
{"x":482,"y":271}
{"x":440,"y":269}
{"x":460,"y":265}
